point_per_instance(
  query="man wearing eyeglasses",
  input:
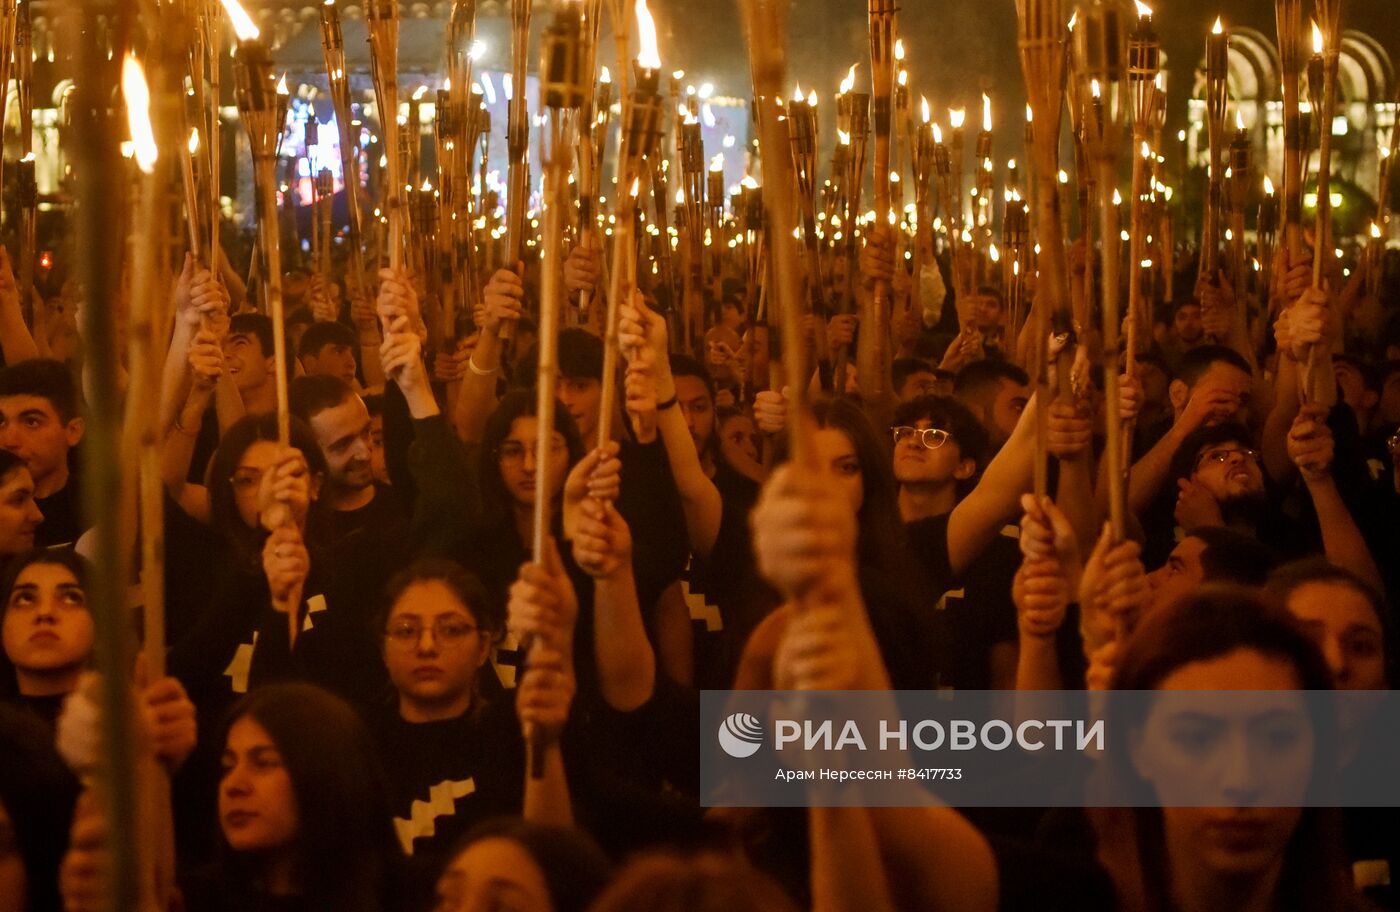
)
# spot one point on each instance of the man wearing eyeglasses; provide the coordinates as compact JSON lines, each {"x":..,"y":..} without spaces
{"x":940,"y":449}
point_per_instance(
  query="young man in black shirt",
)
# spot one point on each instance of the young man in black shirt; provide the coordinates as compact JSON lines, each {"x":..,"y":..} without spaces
{"x":40,"y":423}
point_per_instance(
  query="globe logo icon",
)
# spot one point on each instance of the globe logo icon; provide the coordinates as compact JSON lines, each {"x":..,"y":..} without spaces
{"x":741,"y":735}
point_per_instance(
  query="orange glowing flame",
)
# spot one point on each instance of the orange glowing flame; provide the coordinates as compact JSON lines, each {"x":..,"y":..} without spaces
{"x":924,"y":109}
{"x":849,"y":82}
{"x":1319,"y":45}
{"x":937,"y":134}
{"x":1218,"y":28}
{"x":986,"y":113}
{"x":650,"y":57}
{"x":243,"y":25}
{"x":1144,"y":11}
{"x":1268,"y":186}
{"x":138,"y":114}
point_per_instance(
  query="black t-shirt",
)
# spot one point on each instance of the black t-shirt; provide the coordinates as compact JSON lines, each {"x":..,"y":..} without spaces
{"x":63,"y":516}
{"x":977,"y":615}
{"x":723,"y":591}
{"x":444,"y":777}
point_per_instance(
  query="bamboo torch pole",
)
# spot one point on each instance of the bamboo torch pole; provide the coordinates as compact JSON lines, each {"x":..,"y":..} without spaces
{"x":383,"y":20}
{"x":518,"y":144}
{"x":1144,"y":65}
{"x":882,"y":30}
{"x":1041,"y":36}
{"x":1240,"y":179}
{"x":1217,"y":100}
{"x":561,"y":92}
{"x":28,"y":189}
{"x":8,"y":22}
{"x":765,"y":23}
{"x":641,"y":125}
{"x":1101,"y":61}
{"x":98,"y":174}
{"x":333,"y":50}
{"x":1318,"y":381}
{"x":259,"y":108}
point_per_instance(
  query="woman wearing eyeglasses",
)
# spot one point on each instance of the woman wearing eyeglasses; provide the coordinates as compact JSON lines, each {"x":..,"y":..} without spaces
{"x":449,"y":740}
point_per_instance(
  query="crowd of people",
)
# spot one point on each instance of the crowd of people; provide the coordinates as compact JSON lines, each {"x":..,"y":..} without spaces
{"x":376,"y":699}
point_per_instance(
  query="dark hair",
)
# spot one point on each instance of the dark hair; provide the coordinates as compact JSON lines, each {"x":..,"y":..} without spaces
{"x":9,"y":464}
{"x":45,"y":378}
{"x":308,"y":396}
{"x":989,"y":291}
{"x":1385,"y":369}
{"x":1362,"y":367}
{"x":518,"y":403}
{"x":374,"y":403}
{"x":255,"y":325}
{"x":575,"y":869}
{"x":686,"y":366}
{"x":345,"y":845}
{"x":1291,"y":577}
{"x":1188,"y":453}
{"x":1198,"y":360}
{"x":1233,"y":557}
{"x":952,"y":416}
{"x":58,"y":557}
{"x":981,"y":376}
{"x":38,"y":794}
{"x":299,"y":317}
{"x":580,"y":354}
{"x":881,"y":529}
{"x":708,"y":882}
{"x":465,"y":587}
{"x":1210,"y":624}
{"x":223,"y":511}
{"x":904,"y":368}
{"x":1156,"y":360}
{"x":322,"y":333}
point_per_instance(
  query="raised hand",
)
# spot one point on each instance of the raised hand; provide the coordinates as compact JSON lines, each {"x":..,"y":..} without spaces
{"x":804,"y":530}
{"x":284,"y":492}
{"x":1071,"y":428}
{"x":598,"y":475}
{"x":169,"y":718}
{"x":401,"y":357}
{"x":770,"y":411}
{"x":503,"y":300}
{"x":639,"y":393}
{"x":206,"y":357}
{"x":602,"y":542}
{"x":397,"y":305}
{"x":1041,"y":593}
{"x":286,"y":563}
{"x":542,"y":603}
{"x":877,"y":257}
{"x":544,"y":695}
{"x":1310,"y":444}
{"x":639,"y":327}
{"x":1113,"y":591}
{"x":583,"y":270}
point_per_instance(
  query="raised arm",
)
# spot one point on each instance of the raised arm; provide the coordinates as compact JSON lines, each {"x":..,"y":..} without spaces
{"x":626,"y":661}
{"x":541,"y":613}
{"x":476,"y":400}
{"x":642,"y":335}
{"x":995,"y":501}
{"x":1310,"y":447}
{"x":206,"y":366}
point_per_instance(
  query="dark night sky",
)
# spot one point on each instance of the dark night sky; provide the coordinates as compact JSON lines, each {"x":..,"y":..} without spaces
{"x":957,"y":47}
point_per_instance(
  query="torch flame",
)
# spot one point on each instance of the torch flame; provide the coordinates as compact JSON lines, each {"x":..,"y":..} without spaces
{"x":1146,"y":151}
{"x":636,"y":184}
{"x":604,"y":76}
{"x":1144,"y":11}
{"x":986,"y":113}
{"x":923,"y":104}
{"x":1030,"y":114}
{"x":843,"y":137}
{"x":243,"y":25}
{"x":649,"y":58}
{"x":1117,"y":197}
{"x":812,"y":98}
{"x":1073,"y":21}
{"x":1095,"y":89}
{"x":748,"y":183}
{"x":1375,"y":231}
{"x":849,"y":82}
{"x":1318,"y":44}
{"x":1268,"y":186}
{"x":1063,"y":176}
{"x":680,"y":197}
{"x":1385,"y":152}
{"x":797,"y":95}
{"x":994,"y":253}
{"x":282,"y":86}
{"x":899,"y":49}
{"x":903,"y":79}
{"x":717,"y":163}
{"x":419,"y":92}
{"x":138,"y":114}
{"x":937,"y":135}
{"x":1218,"y":28}
{"x":956,"y":117}
{"x":194,"y":141}
{"x":1239,"y":119}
